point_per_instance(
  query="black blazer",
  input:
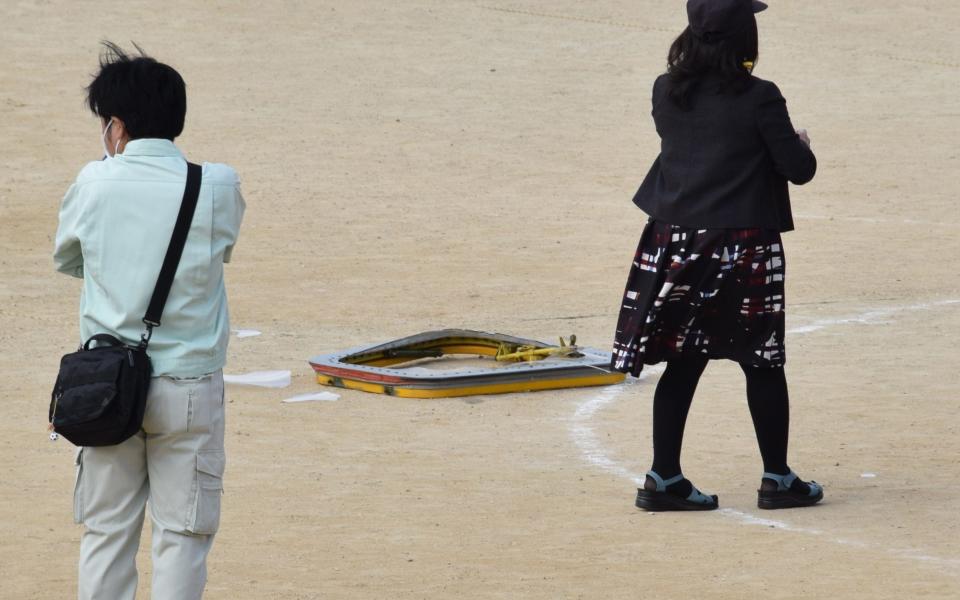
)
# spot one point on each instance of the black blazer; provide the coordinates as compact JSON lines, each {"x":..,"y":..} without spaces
{"x":725,"y":162}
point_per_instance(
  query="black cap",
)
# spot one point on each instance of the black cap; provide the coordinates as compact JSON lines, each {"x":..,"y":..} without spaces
{"x":716,"y":19}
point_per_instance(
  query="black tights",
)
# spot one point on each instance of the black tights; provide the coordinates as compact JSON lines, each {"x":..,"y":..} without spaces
{"x":769,"y":407}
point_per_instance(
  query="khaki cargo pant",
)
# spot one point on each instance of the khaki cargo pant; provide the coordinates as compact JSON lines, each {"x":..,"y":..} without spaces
{"x":176,"y":463}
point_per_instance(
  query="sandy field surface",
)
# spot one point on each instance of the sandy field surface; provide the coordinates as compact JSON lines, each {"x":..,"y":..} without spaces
{"x":418,"y":164}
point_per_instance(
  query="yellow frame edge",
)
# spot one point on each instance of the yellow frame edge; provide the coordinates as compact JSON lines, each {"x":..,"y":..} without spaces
{"x":495,"y":388}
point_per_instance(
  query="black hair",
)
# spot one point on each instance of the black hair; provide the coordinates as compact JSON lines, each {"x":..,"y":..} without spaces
{"x":148,"y":96}
{"x":691,"y":59}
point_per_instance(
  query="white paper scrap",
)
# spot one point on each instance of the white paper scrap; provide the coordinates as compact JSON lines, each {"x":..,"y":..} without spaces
{"x":268,"y":379}
{"x":319,"y":396}
{"x":245,"y":333}
{"x":868,"y":475}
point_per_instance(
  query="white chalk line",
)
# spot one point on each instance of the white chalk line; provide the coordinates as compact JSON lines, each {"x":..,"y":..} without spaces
{"x":949,"y":564}
{"x":586,"y":438}
{"x":872,"y":317}
{"x":593,"y":452}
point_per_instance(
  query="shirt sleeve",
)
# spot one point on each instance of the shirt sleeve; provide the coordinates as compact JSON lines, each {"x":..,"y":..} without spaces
{"x":68,"y":251}
{"x":791,"y":157}
{"x":230,"y":207}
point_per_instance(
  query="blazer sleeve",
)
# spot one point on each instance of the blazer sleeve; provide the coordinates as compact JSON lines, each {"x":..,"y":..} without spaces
{"x":791,"y":157}
{"x":660,"y":85}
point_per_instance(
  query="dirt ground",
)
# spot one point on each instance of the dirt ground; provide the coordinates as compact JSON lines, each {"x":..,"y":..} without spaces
{"x":423,"y":164}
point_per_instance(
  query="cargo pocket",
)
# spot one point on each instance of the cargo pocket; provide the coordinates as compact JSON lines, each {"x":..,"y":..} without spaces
{"x":208,"y":487}
{"x":77,"y":489}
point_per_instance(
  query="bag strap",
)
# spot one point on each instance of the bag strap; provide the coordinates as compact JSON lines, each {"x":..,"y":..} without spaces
{"x":104,"y":338}
{"x":174,"y":251}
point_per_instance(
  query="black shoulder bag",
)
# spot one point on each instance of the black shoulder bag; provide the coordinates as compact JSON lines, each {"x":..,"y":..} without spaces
{"x":101,"y":390}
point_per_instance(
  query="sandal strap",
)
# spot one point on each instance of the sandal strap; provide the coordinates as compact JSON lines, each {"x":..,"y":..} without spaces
{"x":699,"y":497}
{"x":783,"y":481}
{"x":695,"y":495}
{"x":663,"y":483}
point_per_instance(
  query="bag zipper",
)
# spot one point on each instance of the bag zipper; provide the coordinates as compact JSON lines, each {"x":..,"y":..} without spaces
{"x":54,"y":436}
{"x":56,"y":403}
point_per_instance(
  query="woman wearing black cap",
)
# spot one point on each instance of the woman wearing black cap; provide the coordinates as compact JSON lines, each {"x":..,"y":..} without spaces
{"x":707,"y":280}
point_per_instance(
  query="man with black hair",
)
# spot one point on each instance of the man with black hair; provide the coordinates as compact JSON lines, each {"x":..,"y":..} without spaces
{"x":115,"y":225}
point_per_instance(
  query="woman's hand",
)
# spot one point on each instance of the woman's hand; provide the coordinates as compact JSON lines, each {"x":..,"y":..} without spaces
{"x":804,"y":137}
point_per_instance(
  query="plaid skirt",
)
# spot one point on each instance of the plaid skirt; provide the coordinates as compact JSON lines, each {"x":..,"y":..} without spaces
{"x":707,"y":292}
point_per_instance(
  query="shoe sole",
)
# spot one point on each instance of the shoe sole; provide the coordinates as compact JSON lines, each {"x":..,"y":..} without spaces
{"x":778,"y":500}
{"x":662,"y":502}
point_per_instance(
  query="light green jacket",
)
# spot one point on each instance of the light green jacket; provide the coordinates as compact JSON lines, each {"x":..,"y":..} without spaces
{"x":115,"y":225}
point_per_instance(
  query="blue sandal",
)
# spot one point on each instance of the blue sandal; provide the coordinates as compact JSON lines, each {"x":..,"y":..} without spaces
{"x":780,"y":491}
{"x":660,"y":499}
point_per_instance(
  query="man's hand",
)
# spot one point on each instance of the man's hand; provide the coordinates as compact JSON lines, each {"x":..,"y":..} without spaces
{"x":804,"y":137}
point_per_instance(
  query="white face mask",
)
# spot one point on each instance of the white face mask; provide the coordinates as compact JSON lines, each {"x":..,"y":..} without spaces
{"x":103,"y":138}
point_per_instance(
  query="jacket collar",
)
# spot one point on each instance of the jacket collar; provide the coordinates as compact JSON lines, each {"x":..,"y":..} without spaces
{"x":151,"y":147}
